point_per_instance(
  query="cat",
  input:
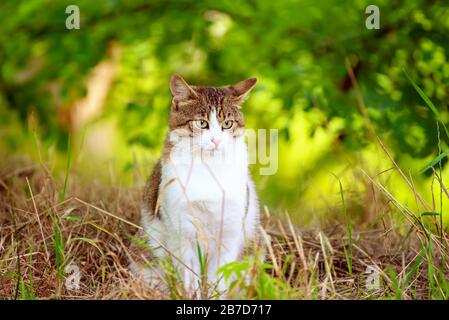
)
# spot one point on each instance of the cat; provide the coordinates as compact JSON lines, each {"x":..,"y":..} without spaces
{"x":200,"y":205}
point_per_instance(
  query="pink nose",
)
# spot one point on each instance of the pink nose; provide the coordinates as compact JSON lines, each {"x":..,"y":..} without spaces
{"x":216,"y":141}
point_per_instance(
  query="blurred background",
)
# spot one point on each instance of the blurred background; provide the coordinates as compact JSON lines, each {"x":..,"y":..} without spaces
{"x":98,"y":97}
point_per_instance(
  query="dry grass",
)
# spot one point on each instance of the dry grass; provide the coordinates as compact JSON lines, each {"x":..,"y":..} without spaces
{"x":40,"y":234}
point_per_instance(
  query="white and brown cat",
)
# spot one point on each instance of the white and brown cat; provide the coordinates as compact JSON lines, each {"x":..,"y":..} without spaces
{"x":200,"y":198}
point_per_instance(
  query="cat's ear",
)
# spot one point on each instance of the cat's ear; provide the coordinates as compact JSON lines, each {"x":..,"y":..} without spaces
{"x":240,"y":90}
{"x":180,"y":90}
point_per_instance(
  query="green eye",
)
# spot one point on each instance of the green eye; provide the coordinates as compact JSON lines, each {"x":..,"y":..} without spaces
{"x":202,"y":124}
{"x":227,"y":124}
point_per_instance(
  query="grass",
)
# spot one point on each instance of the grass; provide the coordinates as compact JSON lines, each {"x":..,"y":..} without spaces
{"x":47,"y":229}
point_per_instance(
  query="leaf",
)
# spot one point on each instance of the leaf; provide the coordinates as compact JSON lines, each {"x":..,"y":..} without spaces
{"x":427,"y":101}
{"x":435,"y":161}
{"x":432,"y":214}
{"x":72,"y":218}
{"x":67,"y":173}
{"x":423,"y":96}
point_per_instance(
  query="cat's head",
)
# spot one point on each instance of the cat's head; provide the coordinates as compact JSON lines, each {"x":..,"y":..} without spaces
{"x":209,"y":117}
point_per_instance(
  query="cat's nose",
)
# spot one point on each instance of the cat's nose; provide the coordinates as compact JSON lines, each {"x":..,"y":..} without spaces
{"x":216,"y":141}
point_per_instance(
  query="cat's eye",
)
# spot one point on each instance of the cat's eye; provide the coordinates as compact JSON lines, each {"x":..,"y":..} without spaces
{"x":201,"y":124}
{"x":227,"y":124}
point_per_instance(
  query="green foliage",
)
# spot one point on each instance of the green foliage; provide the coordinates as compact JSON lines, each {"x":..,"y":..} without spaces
{"x":297,"y":49}
{"x":250,"y":279}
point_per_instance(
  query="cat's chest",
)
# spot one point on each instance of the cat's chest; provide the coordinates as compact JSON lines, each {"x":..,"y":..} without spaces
{"x":206,"y":184}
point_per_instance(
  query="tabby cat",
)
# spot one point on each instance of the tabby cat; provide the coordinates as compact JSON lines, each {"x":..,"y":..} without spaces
{"x":200,"y":207}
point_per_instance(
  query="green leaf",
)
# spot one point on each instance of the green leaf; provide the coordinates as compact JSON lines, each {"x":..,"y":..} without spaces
{"x":435,"y":161}
{"x":427,"y":101}
{"x":433,"y":214}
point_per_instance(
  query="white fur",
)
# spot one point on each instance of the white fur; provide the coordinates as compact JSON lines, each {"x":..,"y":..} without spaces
{"x":205,"y":204}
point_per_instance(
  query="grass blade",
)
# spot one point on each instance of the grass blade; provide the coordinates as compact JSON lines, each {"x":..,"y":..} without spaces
{"x":428,"y":102}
